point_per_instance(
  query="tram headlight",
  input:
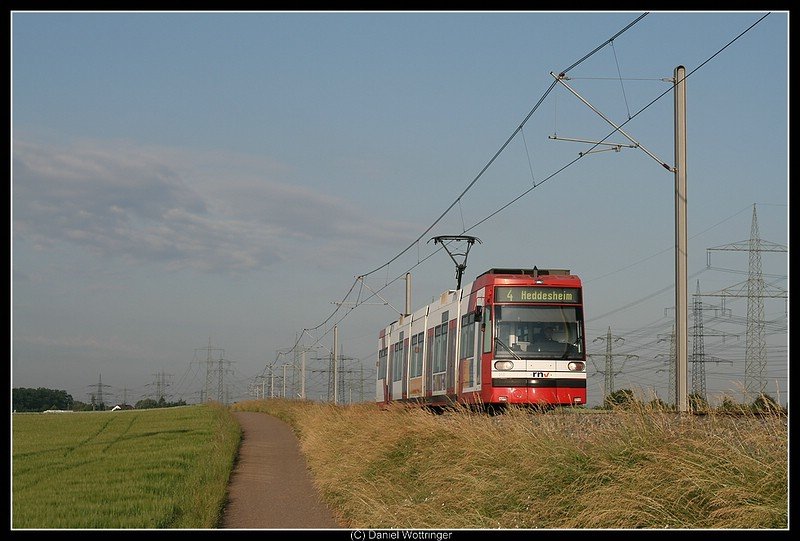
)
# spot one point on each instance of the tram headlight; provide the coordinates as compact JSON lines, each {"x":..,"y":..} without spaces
{"x":576,"y":366}
{"x":503,"y":365}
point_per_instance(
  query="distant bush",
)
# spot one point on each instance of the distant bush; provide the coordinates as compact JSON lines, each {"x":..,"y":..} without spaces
{"x":27,"y":400}
{"x":623,"y":398}
{"x":149,"y":403}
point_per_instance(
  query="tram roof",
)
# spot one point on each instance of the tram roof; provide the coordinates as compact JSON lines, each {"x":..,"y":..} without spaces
{"x":530,"y":272}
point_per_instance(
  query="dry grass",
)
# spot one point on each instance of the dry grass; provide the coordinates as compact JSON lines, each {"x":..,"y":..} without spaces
{"x":409,"y":468}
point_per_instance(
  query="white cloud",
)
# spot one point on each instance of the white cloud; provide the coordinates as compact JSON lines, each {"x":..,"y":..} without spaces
{"x":211,"y":212}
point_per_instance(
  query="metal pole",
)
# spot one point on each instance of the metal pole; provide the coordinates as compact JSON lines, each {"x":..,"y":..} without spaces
{"x":681,"y":289}
{"x":271,"y":383}
{"x":408,"y":294}
{"x":303,"y":376}
{"x":335,"y":364}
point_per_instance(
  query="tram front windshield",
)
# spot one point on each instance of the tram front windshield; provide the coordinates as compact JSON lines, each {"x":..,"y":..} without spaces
{"x":528,"y":332}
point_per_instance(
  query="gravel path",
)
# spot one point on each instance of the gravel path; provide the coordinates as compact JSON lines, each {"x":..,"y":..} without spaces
{"x":270,"y":486}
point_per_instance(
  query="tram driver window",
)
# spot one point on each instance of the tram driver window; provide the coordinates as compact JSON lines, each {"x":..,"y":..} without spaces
{"x":505,"y":332}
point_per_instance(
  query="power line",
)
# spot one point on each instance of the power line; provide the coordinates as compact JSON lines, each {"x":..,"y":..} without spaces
{"x":492,"y":160}
{"x":483,"y":170}
{"x":506,"y":143}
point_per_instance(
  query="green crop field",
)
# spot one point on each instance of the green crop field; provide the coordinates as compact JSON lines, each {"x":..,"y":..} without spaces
{"x":157,"y":468}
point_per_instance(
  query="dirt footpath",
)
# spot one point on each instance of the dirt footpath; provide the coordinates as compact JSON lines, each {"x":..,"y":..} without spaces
{"x":270,"y":486}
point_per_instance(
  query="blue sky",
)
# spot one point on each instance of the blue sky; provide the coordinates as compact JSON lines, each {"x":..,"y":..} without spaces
{"x":181,"y":180}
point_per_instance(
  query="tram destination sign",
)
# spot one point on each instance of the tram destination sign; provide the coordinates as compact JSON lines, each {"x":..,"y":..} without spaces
{"x":559,"y":295}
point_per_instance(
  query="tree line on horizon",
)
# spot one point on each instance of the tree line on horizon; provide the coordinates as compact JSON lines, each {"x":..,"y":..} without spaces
{"x":28,"y":400}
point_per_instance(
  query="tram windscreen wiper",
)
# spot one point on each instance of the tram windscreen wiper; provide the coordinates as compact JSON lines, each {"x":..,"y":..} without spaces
{"x":508,"y":349}
{"x":569,"y":350}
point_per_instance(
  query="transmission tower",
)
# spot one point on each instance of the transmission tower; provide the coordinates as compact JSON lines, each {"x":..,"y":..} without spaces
{"x":699,"y":358}
{"x":340,"y":380}
{"x":97,"y":396}
{"x":608,"y":384}
{"x":211,"y":369}
{"x":161,"y":385}
{"x":351,"y":380}
{"x":223,"y":394}
{"x":671,"y":399}
{"x":756,"y":291}
{"x":336,"y":379}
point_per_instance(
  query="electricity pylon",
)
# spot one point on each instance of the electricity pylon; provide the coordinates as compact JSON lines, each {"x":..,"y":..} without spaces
{"x":756,"y":291}
{"x":97,"y":398}
{"x":161,"y":385}
{"x":211,"y":370}
{"x":608,"y":385}
{"x":699,"y":358}
{"x":671,"y":397}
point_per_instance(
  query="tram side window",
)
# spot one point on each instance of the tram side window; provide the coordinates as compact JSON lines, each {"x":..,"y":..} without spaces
{"x":440,"y":348}
{"x":382,"y":363}
{"x":417,"y":341}
{"x":467,"y":336}
{"x":399,"y":360}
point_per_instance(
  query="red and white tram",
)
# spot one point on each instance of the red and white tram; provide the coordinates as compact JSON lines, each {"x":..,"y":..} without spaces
{"x":512,"y":336}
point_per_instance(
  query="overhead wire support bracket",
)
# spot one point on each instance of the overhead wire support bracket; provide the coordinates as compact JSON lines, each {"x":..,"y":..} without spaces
{"x":561,"y":78}
{"x":375,"y":293}
{"x":616,"y":147}
{"x":354,"y":303}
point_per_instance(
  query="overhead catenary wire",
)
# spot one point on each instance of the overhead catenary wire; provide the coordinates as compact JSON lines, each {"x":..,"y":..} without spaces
{"x":622,"y":86}
{"x":505,"y":144}
{"x":494,"y":157}
{"x":601,"y":141}
{"x":457,"y":200}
